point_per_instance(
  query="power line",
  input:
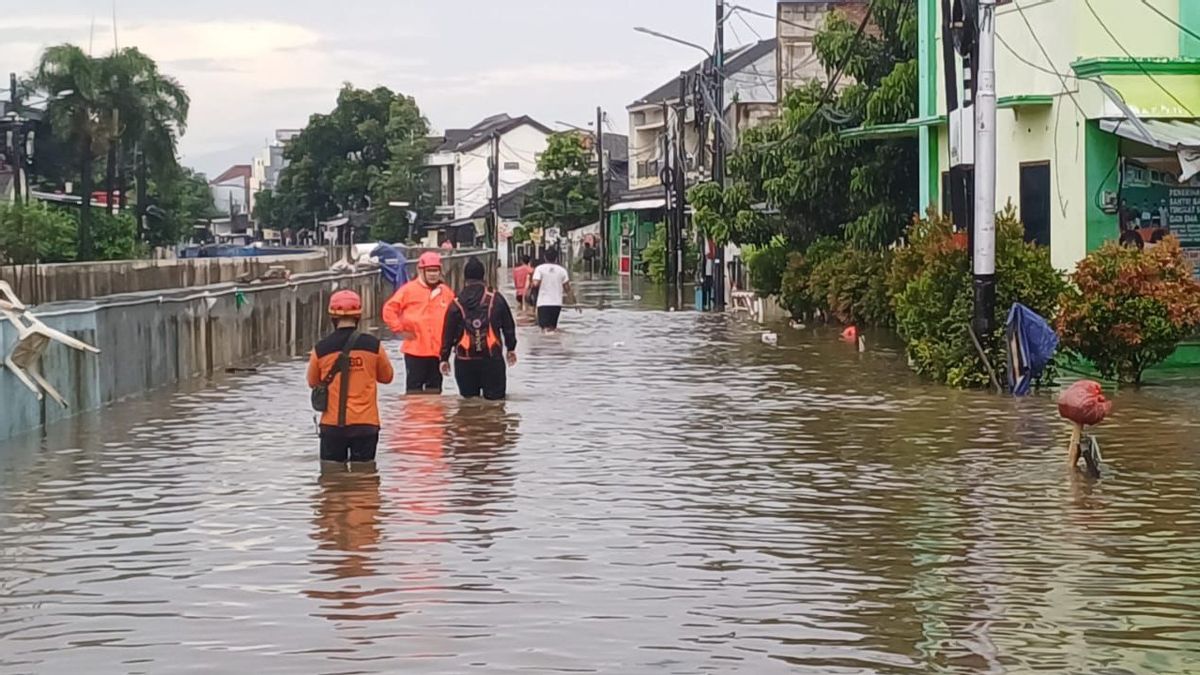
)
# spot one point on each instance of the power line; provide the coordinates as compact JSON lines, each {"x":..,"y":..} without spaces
{"x":1045,"y":53}
{"x":833,"y":80}
{"x":1134,"y":59}
{"x":1173,"y":22}
{"x":747,"y":10}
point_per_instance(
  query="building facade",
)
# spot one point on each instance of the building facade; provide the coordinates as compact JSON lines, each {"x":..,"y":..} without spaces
{"x":796,"y":24}
{"x":1097,"y":129}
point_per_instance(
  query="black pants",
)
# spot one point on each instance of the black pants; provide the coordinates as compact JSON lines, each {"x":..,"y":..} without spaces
{"x":547,"y":317}
{"x":349,"y":444}
{"x":423,"y":374}
{"x":488,"y":377}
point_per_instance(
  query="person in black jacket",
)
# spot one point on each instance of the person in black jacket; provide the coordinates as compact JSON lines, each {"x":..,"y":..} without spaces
{"x":479,"y":328}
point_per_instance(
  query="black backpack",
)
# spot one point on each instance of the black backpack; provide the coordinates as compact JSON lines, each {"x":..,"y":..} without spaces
{"x":320,"y":393}
{"x":477,"y":324}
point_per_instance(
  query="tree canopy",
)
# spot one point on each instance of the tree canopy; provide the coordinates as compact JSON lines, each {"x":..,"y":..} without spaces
{"x":364,"y":154}
{"x":816,"y":181}
{"x":567,"y":195}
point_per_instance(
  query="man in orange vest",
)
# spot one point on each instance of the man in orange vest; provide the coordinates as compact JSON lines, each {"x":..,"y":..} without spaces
{"x":479,"y":327}
{"x":349,"y":372}
{"x":417,"y":313}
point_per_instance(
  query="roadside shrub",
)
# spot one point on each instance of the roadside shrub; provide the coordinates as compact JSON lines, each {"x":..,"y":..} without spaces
{"x":1128,"y":309}
{"x":930,"y":281}
{"x":852,"y":284}
{"x":766,"y":266}
{"x":115,"y":236}
{"x":796,"y":292}
{"x":654,"y":256}
{"x":36,"y":233}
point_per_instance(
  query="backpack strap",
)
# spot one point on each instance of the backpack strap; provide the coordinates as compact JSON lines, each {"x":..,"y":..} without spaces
{"x":343,"y":368}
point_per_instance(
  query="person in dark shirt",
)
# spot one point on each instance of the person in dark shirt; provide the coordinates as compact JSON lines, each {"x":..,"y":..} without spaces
{"x":479,"y":328}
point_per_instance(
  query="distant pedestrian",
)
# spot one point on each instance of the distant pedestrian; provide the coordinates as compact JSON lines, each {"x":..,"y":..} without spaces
{"x":553,"y":285}
{"x":479,"y":328}
{"x":417,"y":313}
{"x":521,"y":275}
{"x":343,"y":370}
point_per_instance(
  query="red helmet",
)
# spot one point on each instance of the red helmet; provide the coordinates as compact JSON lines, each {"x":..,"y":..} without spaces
{"x":345,"y":303}
{"x":429,"y":259}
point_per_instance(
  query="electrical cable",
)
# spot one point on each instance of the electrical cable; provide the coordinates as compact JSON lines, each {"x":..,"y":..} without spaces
{"x":1173,"y":22}
{"x":1136,"y":62}
{"x":1045,"y":53}
{"x":833,"y":80}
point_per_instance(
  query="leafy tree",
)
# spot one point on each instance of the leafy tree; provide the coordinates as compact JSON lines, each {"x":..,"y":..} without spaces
{"x":361,"y":156}
{"x":178,"y":199}
{"x":567,"y":194}
{"x":819,"y":182}
{"x":75,"y":118}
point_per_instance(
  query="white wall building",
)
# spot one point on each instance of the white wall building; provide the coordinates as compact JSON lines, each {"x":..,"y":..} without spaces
{"x":269,"y":163}
{"x":750,"y":99}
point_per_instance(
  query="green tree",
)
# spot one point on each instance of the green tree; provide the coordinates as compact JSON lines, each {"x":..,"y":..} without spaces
{"x":567,"y":194}
{"x":36,"y":233}
{"x":75,"y":118}
{"x":178,"y":198}
{"x":363,"y":155}
{"x":818,"y":181}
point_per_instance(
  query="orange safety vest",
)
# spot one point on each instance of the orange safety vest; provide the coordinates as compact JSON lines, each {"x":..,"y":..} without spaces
{"x":478,"y":330}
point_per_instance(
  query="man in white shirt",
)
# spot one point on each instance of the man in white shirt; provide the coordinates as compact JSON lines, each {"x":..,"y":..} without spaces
{"x":553,"y":284}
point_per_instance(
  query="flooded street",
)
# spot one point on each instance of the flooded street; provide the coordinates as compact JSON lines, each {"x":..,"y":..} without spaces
{"x":662,"y":493}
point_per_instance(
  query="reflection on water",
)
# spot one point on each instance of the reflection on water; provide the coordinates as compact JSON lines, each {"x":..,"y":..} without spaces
{"x":662,"y":493}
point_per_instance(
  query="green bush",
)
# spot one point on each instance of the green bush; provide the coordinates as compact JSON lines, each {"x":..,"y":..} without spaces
{"x":930,"y":283}
{"x":796,"y":291}
{"x":654,"y":256}
{"x":766,"y":266}
{"x":852,"y":284}
{"x":115,"y":236}
{"x":1129,"y":309}
{"x":36,"y":233}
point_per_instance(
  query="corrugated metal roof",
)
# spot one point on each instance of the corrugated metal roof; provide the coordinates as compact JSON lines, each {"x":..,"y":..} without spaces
{"x":1170,"y":135}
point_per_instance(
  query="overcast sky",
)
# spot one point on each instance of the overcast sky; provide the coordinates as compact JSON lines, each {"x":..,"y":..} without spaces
{"x":252,"y":66}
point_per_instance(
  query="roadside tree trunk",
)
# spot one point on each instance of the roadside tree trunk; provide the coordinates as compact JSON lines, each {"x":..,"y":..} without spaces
{"x":86,"y":249}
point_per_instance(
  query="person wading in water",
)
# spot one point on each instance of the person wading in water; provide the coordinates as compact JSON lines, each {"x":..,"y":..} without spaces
{"x":417,"y":313}
{"x":553,"y":285}
{"x":479,"y":327}
{"x":344,"y":370}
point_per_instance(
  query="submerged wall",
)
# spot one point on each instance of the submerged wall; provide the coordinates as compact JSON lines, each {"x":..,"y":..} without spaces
{"x":157,"y":338}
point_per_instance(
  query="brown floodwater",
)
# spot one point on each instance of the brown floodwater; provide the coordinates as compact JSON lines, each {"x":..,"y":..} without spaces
{"x":663,"y":493}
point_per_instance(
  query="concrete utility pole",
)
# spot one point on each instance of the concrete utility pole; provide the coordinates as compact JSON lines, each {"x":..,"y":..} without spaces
{"x":15,"y":138}
{"x":602,"y":187}
{"x":719,"y":148}
{"x":985,"y":173}
{"x":680,"y":189}
{"x":493,"y":226}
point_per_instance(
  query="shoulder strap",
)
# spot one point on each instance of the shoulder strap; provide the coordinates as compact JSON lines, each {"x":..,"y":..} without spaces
{"x":343,"y":367}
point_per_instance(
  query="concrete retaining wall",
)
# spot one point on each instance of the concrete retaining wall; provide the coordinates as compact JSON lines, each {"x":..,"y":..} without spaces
{"x":153,"y":339}
{"x":40,"y":284}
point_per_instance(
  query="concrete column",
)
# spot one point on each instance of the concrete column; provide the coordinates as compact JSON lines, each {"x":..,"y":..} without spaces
{"x":927,"y":100}
{"x":1189,"y":16}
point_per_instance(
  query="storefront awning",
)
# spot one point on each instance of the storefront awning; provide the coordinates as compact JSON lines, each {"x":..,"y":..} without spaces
{"x":1181,"y":137}
{"x":1169,"y":135}
{"x":639,"y":205}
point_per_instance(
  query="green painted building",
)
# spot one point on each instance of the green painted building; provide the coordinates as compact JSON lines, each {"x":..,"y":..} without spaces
{"x":1070,"y":159}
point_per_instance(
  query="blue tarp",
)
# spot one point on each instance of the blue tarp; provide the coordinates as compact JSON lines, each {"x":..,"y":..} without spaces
{"x":393,"y":264}
{"x":1031,"y":344}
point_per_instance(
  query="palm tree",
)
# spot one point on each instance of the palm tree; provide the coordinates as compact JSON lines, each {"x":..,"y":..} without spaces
{"x":75,"y":117}
{"x":149,"y":112}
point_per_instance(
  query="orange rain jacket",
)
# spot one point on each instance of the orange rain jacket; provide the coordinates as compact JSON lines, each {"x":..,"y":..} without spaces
{"x":420,"y":311}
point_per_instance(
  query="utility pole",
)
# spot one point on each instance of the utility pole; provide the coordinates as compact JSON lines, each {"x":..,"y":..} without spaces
{"x":719,"y":148}
{"x":15,"y":138}
{"x":493,"y":225}
{"x":985,"y":173}
{"x":680,"y":188}
{"x":602,"y":190}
